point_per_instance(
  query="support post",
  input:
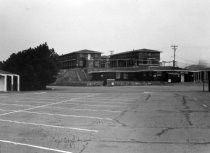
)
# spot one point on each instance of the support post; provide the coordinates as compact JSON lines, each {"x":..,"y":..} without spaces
{"x":209,"y":81}
{"x":5,"y":83}
{"x":12,"y":82}
{"x":194,"y":75}
{"x":18,"y":83}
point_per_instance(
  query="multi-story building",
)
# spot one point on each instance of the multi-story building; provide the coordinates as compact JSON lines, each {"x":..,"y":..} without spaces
{"x":80,"y":59}
{"x":136,"y":58}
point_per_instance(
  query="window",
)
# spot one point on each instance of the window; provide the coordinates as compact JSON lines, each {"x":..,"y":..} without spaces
{"x":117,"y":75}
{"x":80,"y":63}
{"x":81,"y":55}
{"x":125,"y":76}
{"x":96,"y":63}
{"x":96,"y":55}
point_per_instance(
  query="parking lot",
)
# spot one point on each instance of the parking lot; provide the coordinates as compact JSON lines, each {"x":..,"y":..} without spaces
{"x":145,"y":119}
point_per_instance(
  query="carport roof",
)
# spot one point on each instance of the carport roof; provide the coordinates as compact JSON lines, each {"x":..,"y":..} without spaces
{"x":5,"y":72}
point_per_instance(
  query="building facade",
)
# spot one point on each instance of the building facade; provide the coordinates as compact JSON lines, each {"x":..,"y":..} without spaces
{"x":80,"y":59}
{"x":136,"y":58}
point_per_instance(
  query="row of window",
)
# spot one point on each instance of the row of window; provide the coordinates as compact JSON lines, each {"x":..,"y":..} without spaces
{"x":134,"y":55}
{"x":118,"y":75}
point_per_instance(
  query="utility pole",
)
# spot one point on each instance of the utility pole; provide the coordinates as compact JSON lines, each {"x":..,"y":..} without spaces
{"x":174,"y":47}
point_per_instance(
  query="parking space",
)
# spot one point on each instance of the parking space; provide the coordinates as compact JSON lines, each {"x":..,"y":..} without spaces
{"x":103,"y":120}
{"x":54,"y":121}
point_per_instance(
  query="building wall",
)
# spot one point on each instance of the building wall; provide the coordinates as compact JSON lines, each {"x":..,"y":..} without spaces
{"x":80,"y":60}
{"x":161,"y":76}
{"x":130,"y":59}
{"x":1,"y":83}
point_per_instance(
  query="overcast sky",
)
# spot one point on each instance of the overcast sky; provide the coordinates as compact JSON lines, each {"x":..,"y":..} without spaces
{"x":105,"y":25}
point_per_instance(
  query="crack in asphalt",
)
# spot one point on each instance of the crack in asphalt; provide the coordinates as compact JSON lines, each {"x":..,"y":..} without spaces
{"x":119,"y":122}
{"x":187,"y":116}
{"x":84,"y":147}
{"x":185,"y":103}
{"x":187,"y":112}
{"x":148,"y":97}
{"x":164,"y":131}
{"x":117,"y":118}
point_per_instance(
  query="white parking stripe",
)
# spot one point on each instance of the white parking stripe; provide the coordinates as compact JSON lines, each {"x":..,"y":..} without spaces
{"x":19,"y":101}
{"x":35,"y":107}
{"x":204,"y":105}
{"x":99,"y":105}
{"x":65,"y":115}
{"x":47,"y":125}
{"x":6,"y":110}
{"x":39,"y":93}
{"x":16,"y":105}
{"x":100,"y":102}
{"x":34,"y":146}
{"x":95,"y":110}
{"x":38,"y":99}
{"x":78,"y":109}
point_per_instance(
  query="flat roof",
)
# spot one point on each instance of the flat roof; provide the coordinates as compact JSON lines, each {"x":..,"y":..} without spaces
{"x":5,"y":72}
{"x":154,"y":69}
{"x":84,"y":51}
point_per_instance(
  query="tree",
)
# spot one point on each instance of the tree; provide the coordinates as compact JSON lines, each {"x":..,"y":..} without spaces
{"x":36,"y":66}
{"x":1,"y":65}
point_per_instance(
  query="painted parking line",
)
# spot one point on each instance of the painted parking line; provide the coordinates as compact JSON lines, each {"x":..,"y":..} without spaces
{"x":16,"y":105}
{"x":38,"y":99}
{"x":33,"y":146}
{"x":101,"y":102}
{"x":65,"y":115}
{"x":6,"y":110}
{"x":204,"y":105}
{"x":47,"y":125}
{"x":35,"y":107}
{"x":19,"y":101}
{"x":94,"y":110}
{"x":146,"y":92}
{"x":99,"y":105}
{"x":38,"y":93}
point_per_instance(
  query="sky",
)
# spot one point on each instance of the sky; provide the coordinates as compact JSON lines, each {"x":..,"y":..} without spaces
{"x":108,"y":25}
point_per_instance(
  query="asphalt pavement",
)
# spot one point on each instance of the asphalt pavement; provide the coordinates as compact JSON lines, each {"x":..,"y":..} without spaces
{"x":144,"y":119}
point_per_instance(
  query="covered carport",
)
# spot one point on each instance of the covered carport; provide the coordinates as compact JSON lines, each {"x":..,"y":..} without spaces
{"x":9,"y":81}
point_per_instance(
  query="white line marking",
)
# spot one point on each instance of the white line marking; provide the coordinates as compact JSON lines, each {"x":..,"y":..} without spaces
{"x":47,"y":125}
{"x":35,"y":107}
{"x":148,"y":92}
{"x":15,"y":104}
{"x":205,"y":106}
{"x":65,"y":115}
{"x":19,"y":101}
{"x":99,"y":102}
{"x":94,"y":110}
{"x":39,"y":92}
{"x":102,"y":102}
{"x":5,"y":110}
{"x":8,"y":110}
{"x":98,"y":105}
{"x":34,"y":146}
{"x":37,"y":99}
